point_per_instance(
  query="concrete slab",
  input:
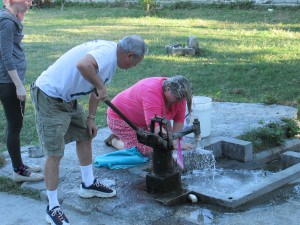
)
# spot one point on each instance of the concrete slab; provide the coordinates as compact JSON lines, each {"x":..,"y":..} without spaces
{"x":289,"y":158}
{"x":252,"y":191}
{"x":274,"y":153}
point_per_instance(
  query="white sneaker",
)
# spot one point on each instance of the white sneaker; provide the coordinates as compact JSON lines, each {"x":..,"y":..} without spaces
{"x":31,"y":177}
{"x":96,"y":190}
{"x":33,"y":169}
{"x":56,"y":216}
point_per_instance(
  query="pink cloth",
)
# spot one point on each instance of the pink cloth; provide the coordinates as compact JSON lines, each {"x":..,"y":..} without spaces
{"x":179,"y":155}
{"x":140,"y":103}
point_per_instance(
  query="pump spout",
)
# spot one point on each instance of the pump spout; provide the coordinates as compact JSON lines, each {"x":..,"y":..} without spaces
{"x":195,"y":128}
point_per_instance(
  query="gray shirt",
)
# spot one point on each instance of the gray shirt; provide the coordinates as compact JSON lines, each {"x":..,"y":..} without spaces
{"x":12,"y":55}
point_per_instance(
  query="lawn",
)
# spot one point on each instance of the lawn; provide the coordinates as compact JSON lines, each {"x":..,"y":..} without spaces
{"x":247,"y":54}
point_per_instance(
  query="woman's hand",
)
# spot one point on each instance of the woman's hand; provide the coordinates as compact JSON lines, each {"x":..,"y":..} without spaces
{"x":184,"y":145}
{"x":187,"y":146}
{"x":21,"y":93}
{"x":20,"y":89}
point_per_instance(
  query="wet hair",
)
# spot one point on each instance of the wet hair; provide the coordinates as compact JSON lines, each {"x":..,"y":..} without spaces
{"x":133,"y":43}
{"x":180,"y":87}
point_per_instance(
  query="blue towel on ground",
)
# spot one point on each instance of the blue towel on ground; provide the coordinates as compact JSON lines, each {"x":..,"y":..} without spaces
{"x":121,"y":159}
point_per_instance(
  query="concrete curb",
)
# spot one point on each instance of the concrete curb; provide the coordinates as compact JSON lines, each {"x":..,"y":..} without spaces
{"x":274,"y":153}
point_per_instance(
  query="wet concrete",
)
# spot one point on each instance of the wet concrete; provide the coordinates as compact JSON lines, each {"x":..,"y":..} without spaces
{"x":133,"y":205}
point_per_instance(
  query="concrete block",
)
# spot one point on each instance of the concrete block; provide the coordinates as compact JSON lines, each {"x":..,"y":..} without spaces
{"x":216,"y":149}
{"x":168,"y":48}
{"x":191,"y":48}
{"x":192,"y":42}
{"x":290,"y":144}
{"x":183,"y":51}
{"x":237,"y":149}
{"x":289,"y":159}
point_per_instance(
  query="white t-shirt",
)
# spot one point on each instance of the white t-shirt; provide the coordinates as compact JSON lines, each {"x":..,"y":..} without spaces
{"x":63,"y":80}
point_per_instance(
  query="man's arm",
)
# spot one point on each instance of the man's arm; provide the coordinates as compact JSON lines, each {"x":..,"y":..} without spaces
{"x":88,"y":67}
{"x":93,"y":104}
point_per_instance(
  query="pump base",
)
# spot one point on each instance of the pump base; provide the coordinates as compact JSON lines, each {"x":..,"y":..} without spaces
{"x":163,"y":184}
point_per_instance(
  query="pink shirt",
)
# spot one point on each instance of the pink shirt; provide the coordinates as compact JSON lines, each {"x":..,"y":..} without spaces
{"x":141,"y":102}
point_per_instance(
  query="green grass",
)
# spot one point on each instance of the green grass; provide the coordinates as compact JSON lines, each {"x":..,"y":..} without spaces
{"x":8,"y":186}
{"x":2,"y":160}
{"x":247,"y":55}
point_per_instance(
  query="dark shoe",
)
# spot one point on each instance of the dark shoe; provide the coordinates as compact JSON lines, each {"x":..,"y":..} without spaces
{"x":96,"y":190}
{"x":108,"y":141}
{"x":56,"y":216}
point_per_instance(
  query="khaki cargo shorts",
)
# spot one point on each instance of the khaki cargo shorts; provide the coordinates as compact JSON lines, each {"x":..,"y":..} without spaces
{"x":57,"y":122}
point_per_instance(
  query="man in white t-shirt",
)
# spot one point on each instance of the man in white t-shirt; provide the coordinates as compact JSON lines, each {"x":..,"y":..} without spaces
{"x":61,"y":120}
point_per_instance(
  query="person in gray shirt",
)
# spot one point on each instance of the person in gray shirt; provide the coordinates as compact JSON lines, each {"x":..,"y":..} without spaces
{"x":12,"y":91}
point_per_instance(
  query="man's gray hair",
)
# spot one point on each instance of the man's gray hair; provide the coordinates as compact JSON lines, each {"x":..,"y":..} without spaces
{"x":133,"y":43}
{"x":181,"y":88}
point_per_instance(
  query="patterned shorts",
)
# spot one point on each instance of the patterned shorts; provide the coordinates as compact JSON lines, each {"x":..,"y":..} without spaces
{"x":126,"y":134}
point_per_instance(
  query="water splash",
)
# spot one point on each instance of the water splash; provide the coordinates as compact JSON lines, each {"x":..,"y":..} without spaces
{"x":199,"y":159}
{"x":222,"y":181}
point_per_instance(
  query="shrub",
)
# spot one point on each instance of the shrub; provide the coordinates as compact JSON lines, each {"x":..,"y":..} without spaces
{"x":272,"y":134}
